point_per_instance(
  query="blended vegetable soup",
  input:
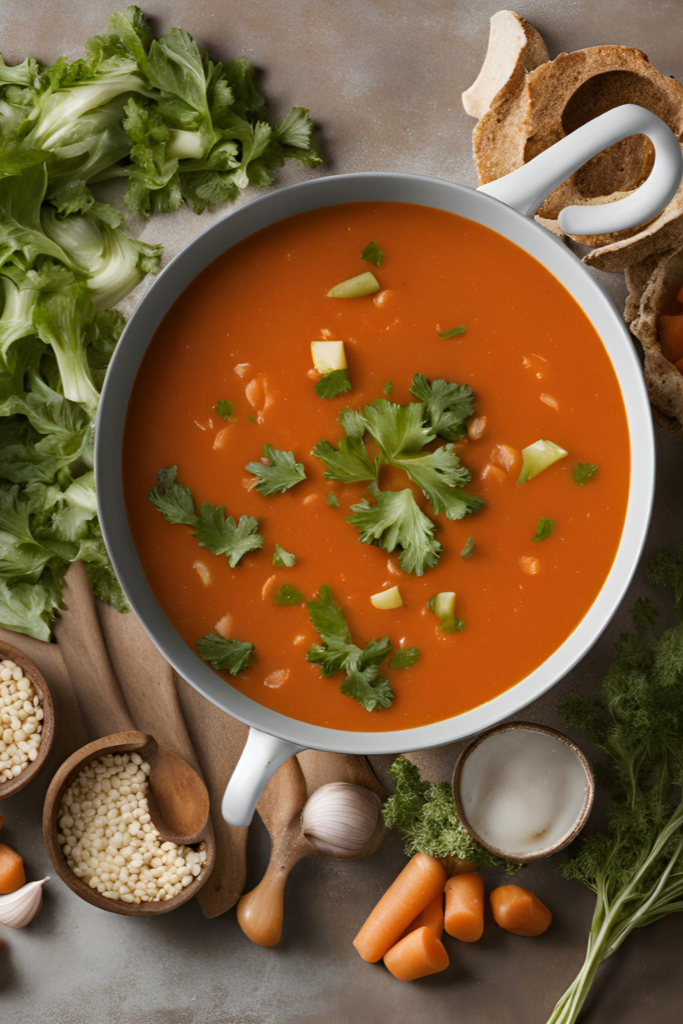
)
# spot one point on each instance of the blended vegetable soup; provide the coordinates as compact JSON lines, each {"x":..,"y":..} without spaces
{"x":416,"y":555}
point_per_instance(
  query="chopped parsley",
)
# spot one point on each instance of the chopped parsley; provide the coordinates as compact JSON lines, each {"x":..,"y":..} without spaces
{"x":402,"y":434}
{"x":283,"y":558}
{"x":224,"y":408}
{"x":332,"y":500}
{"x":453,"y":333}
{"x":338,"y":653}
{"x":388,"y":388}
{"x":334,"y":383}
{"x":215,"y":531}
{"x":372,"y":254}
{"x":405,"y":657}
{"x":230,"y":655}
{"x":280,"y":472}
{"x":468,"y":550}
{"x":288,"y":595}
{"x":583,"y":472}
{"x":544,"y":528}
{"x":252,"y":419}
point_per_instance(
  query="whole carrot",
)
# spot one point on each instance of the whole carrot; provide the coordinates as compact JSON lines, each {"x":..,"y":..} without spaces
{"x":420,"y":881}
{"x":417,"y":955}
{"x":464,"y":917}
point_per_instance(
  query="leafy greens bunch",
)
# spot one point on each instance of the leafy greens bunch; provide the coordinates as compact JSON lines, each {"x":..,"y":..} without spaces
{"x":402,"y":434}
{"x":635,"y":867}
{"x":175,"y":126}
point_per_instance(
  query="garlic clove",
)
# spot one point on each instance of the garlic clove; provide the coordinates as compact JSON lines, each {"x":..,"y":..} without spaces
{"x":343,"y":821}
{"x":18,"y":908}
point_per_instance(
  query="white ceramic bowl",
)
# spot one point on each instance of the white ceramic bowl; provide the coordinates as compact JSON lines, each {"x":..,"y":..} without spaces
{"x":273,"y":736}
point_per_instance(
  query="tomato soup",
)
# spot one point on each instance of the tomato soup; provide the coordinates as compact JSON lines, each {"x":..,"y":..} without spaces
{"x":240,"y":335}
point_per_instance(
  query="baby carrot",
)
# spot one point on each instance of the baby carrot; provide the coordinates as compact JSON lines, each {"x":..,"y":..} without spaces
{"x":518,"y":911}
{"x":12,"y":875}
{"x":417,"y":955}
{"x":430,"y":917}
{"x":417,"y":885}
{"x":464,"y":918}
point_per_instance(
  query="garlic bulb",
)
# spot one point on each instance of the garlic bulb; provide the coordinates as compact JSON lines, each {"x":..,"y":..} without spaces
{"x":19,"y":908}
{"x":343,"y":821}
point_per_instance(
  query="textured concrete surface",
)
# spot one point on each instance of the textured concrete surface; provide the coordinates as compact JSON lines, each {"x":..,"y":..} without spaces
{"x":383,"y":79}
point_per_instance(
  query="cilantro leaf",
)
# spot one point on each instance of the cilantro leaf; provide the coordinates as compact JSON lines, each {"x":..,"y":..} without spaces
{"x":583,"y":472}
{"x":173,"y":500}
{"x":332,"y":500}
{"x":220,"y":534}
{"x":288,"y":595}
{"x":283,"y":558}
{"x":468,"y":550}
{"x":405,"y":657}
{"x":334,"y":383}
{"x":448,"y":406}
{"x":453,"y":333}
{"x":224,"y":408}
{"x":441,"y":477}
{"x":278,"y":474}
{"x":397,"y":428}
{"x":543,"y":530}
{"x":353,"y":422}
{"x":350,"y":463}
{"x":396,"y":520}
{"x":372,"y":254}
{"x":338,"y":653}
{"x":230,"y":655}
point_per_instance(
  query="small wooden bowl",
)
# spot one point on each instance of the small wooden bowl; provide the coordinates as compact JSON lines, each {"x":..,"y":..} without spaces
{"x":12,"y":786}
{"x":118,"y":743}
{"x":580,"y":821}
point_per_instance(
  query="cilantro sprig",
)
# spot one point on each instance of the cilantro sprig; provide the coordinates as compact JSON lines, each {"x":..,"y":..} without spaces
{"x":215,"y":531}
{"x":278,"y":473}
{"x":372,"y":254}
{"x":583,"y":472}
{"x":334,"y":383}
{"x":226,"y":654}
{"x":404,"y":436}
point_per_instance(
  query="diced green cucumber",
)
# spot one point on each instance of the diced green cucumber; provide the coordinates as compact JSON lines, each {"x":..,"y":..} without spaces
{"x":328,"y":356}
{"x":443,"y":606}
{"x":539,"y":456}
{"x":387,"y":599}
{"x":355,"y":287}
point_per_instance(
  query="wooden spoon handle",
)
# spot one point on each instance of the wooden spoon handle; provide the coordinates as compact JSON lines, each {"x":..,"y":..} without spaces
{"x":260,"y":912}
{"x":87,"y":661}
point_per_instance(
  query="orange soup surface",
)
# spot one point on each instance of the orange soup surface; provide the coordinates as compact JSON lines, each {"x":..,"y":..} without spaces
{"x":242,"y":332}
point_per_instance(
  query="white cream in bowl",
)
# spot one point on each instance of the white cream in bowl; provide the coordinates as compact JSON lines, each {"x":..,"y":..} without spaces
{"x":524,"y":791}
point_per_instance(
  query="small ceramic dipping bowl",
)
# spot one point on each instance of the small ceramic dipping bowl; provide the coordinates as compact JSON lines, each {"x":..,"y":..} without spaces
{"x":523,"y":791}
{"x":12,"y":786}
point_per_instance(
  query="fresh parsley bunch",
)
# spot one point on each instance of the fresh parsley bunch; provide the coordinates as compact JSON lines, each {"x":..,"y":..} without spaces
{"x":635,"y":867}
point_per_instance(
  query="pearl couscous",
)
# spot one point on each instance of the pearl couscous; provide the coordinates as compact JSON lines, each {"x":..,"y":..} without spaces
{"x":21,"y":721}
{"x":109,"y":841}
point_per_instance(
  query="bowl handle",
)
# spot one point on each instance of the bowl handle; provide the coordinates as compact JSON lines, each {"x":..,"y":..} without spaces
{"x":262,"y":756}
{"x":526,"y":188}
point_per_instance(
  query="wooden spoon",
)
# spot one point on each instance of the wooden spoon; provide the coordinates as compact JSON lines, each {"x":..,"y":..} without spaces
{"x":260,"y":912}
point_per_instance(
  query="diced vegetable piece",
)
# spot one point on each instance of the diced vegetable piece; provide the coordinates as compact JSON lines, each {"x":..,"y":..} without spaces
{"x":418,"y":955}
{"x":464,"y":917}
{"x":420,"y":881}
{"x":443,"y":606}
{"x":328,"y":356}
{"x":12,"y":875}
{"x":670,"y":332}
{"x":539,"y":456}
{"x":355,"y":287}
{"x":387,"y":599}
{"x":519,"y":911}
{"x":468,"y":550}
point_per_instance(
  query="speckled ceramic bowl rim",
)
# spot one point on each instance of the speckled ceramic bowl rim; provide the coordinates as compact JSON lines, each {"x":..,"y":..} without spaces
{"x":578,"y":824}
{"x":31,"y":671}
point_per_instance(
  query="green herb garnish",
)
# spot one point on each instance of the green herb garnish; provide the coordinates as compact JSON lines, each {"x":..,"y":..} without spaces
{"x":278,"y":474}
{"x":231,"y":656}
{"x":224,"y":408}
{"x":453,"y":333}
{"x":332,"y":500}
{"x":425,"y":815}
{"x":288,"y":595}
{"x":396,"y":520}
{"x":334,"y":383}
{"x":543,"y":530}
{"x":283,"y":558}
{"x":215,"y":531}
{"x":338,"y":653}
{"x":468,"y":550}
{"x":388,"y":388}
{"x":405,"y":657}
{"x":372,"y":254}
{"x":583,"y":472}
